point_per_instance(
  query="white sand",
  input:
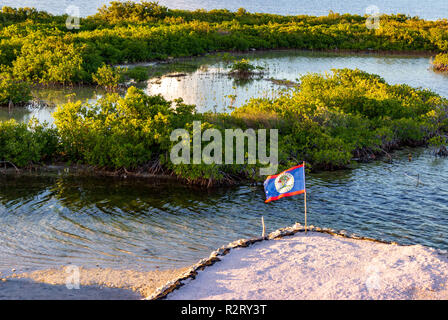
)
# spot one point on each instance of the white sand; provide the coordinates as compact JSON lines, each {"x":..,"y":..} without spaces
{"x":322,"y":266}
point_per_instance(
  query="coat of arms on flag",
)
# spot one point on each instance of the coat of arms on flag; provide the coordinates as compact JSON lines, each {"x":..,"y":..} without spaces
{"x":285,"y":184}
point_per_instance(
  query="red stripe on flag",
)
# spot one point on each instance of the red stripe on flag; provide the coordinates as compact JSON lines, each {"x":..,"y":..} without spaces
{"x":293,"y":168}
{"x":285,"y":195}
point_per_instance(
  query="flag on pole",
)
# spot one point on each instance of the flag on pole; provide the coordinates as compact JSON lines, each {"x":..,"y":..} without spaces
{"x":288,"y":183}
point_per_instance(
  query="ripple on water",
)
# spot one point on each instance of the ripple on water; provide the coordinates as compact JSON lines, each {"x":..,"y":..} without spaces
{"x":47,"y":222}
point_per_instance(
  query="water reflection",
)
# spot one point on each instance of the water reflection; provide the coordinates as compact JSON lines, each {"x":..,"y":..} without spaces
{"x":210,"y":89}
{"x":47,"y":100}
{"x":205,"y":81}
{"x":117,"y":223}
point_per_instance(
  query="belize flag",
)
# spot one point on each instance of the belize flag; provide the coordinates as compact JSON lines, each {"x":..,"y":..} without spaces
{"x":288,"y":183}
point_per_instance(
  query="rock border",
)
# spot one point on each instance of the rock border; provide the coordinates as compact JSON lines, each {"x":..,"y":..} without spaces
{"x":163,"y":291}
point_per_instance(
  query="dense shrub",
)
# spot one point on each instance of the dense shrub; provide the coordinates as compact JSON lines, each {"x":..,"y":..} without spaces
{"x":12,"y":90}
{"x":328,"y":120}
{"x":130,"y":132}
{"x":42,"y":49}
{"x":137,"y":74}
{"x":349,"y":113}
{"x":12,"y":15}
{"x":116,"y":131}
{"x":131,"y":11}
{"x":49,"y":60}
{"x":108,"y":77}
{"x":23,"y":144}
{"x":440,"y":62}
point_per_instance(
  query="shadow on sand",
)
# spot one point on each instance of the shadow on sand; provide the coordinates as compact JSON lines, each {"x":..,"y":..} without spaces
{"x":24,"y":289}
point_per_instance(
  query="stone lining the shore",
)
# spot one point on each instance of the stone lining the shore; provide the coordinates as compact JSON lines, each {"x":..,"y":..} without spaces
{"x":191,"y":273}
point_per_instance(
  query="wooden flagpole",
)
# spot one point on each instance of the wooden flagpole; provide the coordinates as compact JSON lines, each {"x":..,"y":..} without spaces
{"x":304,"y":194}
{"x":264,"y":227}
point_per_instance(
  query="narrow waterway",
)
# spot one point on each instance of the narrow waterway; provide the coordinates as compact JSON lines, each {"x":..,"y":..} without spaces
{"x":119,"y":223}
{"x":206,"y":83}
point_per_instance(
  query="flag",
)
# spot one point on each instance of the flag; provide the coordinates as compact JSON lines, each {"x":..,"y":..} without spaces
{"x":288,"y":183}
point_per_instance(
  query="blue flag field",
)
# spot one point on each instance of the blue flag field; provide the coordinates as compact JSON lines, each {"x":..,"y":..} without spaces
{"x":285,"y":184}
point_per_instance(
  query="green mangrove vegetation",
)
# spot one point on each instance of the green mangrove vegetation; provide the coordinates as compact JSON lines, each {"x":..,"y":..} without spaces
{"x":244,"y":69}
{"x":440,"y":62}
{"x":328,"y":120}
{"x":12,"y":91}
{"x":137,"y":74}
{"x":108,"y":77}
{"x":37,"y":47}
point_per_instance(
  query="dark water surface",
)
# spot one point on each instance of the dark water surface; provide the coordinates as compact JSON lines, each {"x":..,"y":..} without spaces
{"x":47,"y":222}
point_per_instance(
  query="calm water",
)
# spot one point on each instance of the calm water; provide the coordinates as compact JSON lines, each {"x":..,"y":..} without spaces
{"x":210,"y":87}
{"x":434,"y":9}
{"x":47,"y":222}
{"x":207,"y":85}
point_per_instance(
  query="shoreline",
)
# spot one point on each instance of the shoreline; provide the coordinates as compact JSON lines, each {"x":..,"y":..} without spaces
{"x":88,"y":171}
{"x":99,"y":283}
{"x":214,"y":257}
{"x":155,"y":62}
{"x":263,"y":270}
{"x":94,"y":283}
{"x":106,"y":283}
{"x":82,"y":170}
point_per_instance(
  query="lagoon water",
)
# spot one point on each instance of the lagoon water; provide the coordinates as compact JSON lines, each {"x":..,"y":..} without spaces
{"x":48,"y":222}
{"x":206,"y":83}
{"x":431,"y":10}
{"x":53,"y":221}
{"x":210,"y":88}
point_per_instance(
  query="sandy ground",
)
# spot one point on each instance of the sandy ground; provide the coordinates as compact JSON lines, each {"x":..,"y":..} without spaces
{"x":95,"y":284}
{"x":322,"y":266}
{"x":312,"y":266}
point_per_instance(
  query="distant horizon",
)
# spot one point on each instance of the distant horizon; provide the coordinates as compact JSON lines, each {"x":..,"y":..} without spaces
{"x":438,"y":9}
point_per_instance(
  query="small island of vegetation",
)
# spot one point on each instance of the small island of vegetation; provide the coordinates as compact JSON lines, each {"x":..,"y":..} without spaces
{"x":440,"y":62}
{"x":327,"y":120}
